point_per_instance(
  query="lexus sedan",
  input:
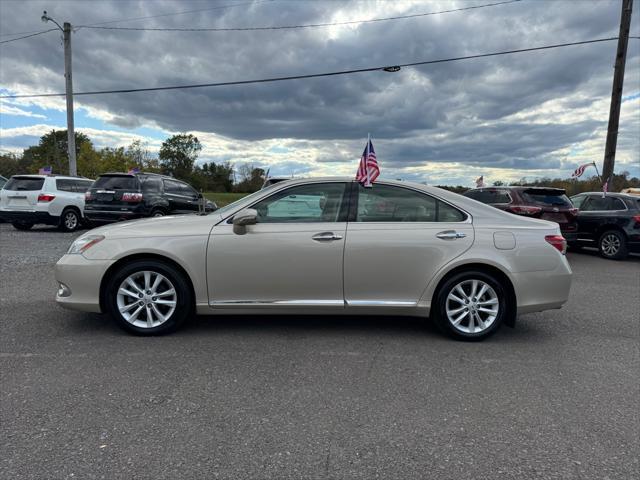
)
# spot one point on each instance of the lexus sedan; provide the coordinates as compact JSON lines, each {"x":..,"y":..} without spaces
{"x":323,"y":246}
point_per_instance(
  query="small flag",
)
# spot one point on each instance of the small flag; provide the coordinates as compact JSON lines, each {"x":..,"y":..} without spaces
{"x":134,"y":170}
{"x":605,"y":187}
{"x":266,"y":175}
{"x":480,"y":181}
{"x":368,"y":169}
{"x":577,"y":173}
{"x":45,"y":170}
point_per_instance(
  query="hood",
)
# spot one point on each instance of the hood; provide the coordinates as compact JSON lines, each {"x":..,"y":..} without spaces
{"x":169,"y":226}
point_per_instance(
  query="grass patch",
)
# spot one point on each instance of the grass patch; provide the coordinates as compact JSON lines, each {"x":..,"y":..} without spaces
{"x":224,"y":198}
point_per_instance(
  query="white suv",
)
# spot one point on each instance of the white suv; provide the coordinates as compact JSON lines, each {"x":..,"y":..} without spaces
{"x":50,"y":199}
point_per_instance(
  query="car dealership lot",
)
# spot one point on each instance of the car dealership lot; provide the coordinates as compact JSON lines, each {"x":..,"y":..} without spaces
{"x":278,"y":397}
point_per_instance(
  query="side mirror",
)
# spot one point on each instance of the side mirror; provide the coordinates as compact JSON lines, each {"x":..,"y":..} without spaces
{"x":245,"y":217}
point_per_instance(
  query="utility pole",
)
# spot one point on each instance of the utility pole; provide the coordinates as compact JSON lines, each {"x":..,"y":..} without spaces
{"x":71,"y":135}
{"x":616,"y":92}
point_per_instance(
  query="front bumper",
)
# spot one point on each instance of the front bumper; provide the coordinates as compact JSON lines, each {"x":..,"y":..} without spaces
{"x":82,"y":279}
{"x":28,"y":216}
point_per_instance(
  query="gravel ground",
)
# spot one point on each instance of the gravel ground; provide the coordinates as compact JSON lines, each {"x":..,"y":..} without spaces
{"x":278,"y":398}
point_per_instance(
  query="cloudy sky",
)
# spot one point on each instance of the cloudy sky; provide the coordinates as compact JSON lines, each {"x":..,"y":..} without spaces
{"x":523,"y":115}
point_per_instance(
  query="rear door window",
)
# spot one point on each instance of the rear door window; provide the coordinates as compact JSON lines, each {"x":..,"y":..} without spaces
{"x":595,"y":204}
{"x":65,"y":185}
{"x":616,"y":204}
{"x":547,"y":198}
{"x":116,"y":182}
{"x":172,"y":187}
{"x":152,"y":185}
{"x":27,"y":184}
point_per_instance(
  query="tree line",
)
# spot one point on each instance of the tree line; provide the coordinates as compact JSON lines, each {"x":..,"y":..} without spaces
{"x":177,"y":157}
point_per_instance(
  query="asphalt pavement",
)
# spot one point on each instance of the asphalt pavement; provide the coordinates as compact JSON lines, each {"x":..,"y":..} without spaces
{"x":319,"y":398}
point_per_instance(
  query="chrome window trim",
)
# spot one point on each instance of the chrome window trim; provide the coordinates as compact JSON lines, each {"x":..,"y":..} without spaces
{"x":589,"y":197}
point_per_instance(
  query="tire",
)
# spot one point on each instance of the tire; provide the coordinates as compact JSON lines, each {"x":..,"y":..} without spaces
{"x":144,"y":314}
{"x":157,"y":212}
{"x":22,"y":225}
{"x":493,"y":291}
{"x":70,"y":220}
{"x":613,"y":245}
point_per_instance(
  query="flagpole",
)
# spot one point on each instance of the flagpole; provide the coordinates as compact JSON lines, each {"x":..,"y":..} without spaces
{"x":366,"y":161}
{"x":597,"y":172}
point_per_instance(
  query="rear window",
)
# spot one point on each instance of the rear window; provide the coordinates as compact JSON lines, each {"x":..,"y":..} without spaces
{"x":490,"y":196}
{"x":116,"y":182}
{"x":546,"y":197}
{"x":24,"y":184}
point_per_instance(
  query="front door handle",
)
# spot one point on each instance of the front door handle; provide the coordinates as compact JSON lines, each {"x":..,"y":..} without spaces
{"x":326,"y":237}
{"x":450,"y":235}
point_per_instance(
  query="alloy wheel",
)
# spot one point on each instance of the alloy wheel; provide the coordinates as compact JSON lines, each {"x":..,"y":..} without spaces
{"x":472,"y":306}
{"x":71,"y":221}
{"x":610,"y":245}
{"x":146,"y":299}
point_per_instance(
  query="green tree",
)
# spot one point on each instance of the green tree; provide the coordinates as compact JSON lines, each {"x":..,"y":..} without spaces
{"x":52,"y":150}
{"x":251,"y":178}
{"x":178,"y":155}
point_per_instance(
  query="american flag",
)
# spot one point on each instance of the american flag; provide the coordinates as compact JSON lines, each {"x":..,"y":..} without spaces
{"x":134,"y":170}
{"x":45,"y":170}
{"x":480,"y":181}
{"x":605,"y":187}
{"x":368,"y":169}
{"x":580,"y":170}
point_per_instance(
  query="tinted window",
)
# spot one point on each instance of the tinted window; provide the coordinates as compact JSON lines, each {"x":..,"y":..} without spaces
{"x":173,"y":187}
{"x":319,"y":202}
{"x":616,"y":204}
{"x":24,"y":183}
{"x":489,"y":196}
{"x":151,"y":184}
{"x":187,"y":190}
{"x":65,"y":185}
{"x":578,"y":201}
{"x":546,"y":197}
{"x":116,"y":182}
{"x":386,"y":203}
{"x":595,"y":204}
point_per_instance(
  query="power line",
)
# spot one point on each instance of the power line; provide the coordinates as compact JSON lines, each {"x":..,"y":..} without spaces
{"x":28,"y":36}
{"x":291,"y":27}
{"x":147,"y":17}
{"x":392,"y":68}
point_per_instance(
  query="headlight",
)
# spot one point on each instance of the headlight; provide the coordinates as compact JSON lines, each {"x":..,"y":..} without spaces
{"x":83,"y":244}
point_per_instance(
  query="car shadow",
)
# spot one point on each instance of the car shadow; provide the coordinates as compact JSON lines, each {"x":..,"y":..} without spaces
{"x":594,"y":252}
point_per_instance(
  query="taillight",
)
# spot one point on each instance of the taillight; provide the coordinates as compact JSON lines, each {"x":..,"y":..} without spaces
{"x":637,"y":219}
{"x":131,"y":197}
{"x":558,"y":242}
{"x":524,"y":210}
{"x":88,"y":196}
{"x":45,"y":197}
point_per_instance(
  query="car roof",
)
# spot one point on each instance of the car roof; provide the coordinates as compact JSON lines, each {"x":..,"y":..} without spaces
{"x":147,"y":174}
{"x":518,"y":187}
{"x":609,"y":194}
{"x":54,"y":175}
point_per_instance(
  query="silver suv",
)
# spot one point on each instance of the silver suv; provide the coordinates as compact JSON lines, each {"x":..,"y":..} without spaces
{"x":26,"y":200}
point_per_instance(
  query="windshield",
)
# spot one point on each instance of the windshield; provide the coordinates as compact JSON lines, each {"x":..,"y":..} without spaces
{"x":244,"y":200}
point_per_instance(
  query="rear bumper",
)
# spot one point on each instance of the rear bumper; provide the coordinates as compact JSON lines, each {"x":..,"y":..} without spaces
{"x":28,"y":216}
{"x":569,"y":236}
{"x":109,"y":216}
{"x":544,"y":290}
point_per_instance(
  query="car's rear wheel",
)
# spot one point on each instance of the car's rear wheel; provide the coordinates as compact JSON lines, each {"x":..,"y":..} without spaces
{"x":149,"y":297}
{"x":69,"y":220}
{"x":157,"y":212}
{"x":471,"y":305}
{"x":613,"y":245}
{"x":22,"y":225}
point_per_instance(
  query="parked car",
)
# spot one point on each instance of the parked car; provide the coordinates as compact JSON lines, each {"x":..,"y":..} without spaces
{"x":123,"y":196}
{"x":397,"y":248}
{"x":611,"y":223}
{"x":58,"y":200}
{"x":535,"y":202}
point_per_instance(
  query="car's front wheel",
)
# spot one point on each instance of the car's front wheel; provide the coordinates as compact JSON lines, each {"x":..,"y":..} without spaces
{"x":149,"y":297}
{"x":613,"y":245}
{"x":471,"y":305}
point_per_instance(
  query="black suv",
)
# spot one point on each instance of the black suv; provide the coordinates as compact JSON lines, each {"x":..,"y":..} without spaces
{"x":123,"y":196}
{"x":611,"y":223}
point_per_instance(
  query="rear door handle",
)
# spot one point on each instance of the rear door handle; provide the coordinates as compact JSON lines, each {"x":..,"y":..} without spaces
{"x":450,"y":235}
{"x":326,"y":237}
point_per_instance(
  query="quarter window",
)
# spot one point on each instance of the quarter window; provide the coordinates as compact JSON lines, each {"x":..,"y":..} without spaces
{"x":318,"y":202}
{"x":386,"y":203}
